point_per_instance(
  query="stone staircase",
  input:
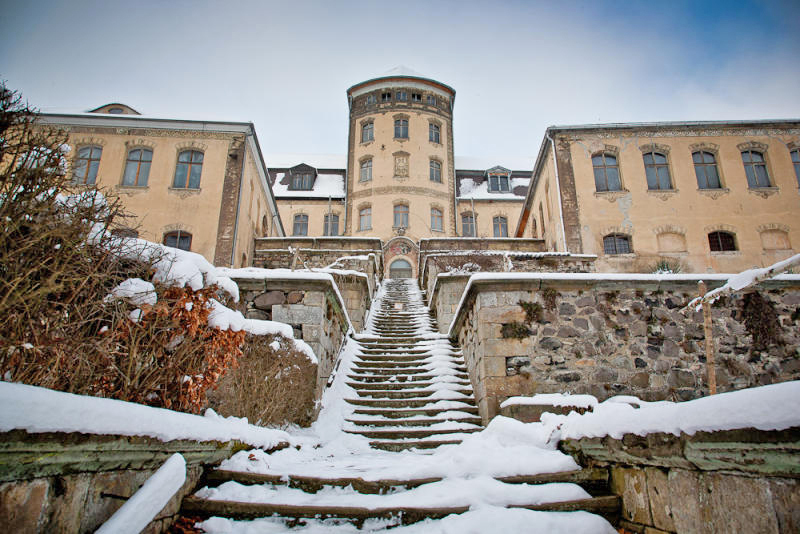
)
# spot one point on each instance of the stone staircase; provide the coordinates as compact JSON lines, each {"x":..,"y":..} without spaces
{"x":411,"y":395}
{"x":412,"y":387}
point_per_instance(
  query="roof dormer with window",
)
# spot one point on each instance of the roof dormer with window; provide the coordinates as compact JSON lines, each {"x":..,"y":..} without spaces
{"x":302,"y":177}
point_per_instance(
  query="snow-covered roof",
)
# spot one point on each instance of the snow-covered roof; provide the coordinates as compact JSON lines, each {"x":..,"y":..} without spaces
{"x":325,"y":186}
{"x":469,"y":190}
{"x":402,"y":70}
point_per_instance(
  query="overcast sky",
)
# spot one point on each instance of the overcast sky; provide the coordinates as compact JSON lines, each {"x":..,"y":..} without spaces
{"x":517,"y":67}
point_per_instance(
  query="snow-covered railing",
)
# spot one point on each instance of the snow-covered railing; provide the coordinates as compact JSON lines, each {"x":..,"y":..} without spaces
{"x":149,"y":500}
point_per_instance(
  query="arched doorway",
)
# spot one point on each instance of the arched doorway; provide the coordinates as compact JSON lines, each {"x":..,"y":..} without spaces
{"x":400,"y":268}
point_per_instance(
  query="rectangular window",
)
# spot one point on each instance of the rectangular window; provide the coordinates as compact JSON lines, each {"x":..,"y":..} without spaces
{"x":365,"y":173}
{"x":437,"y":220}
{"x":371,"y":100}
{"x":401,"y":216}
{"x":137,"y":167}
{"x":331,"y":225}
{"x":302,"y":182}
{"x":181,"y":240}
{"x":386,"y":97}
{"x":431,"y":100}
{"x":367,"y":132}
{"x":468,"y":225}
{"x":434,"y":134}
{"x":500,"y":225}
{"x":416,"y":97}
{"x":755,"y":167}
{"x":705,"y":170}
{"x":436,"y":171}
{"x":401,"y":96}
{"x":796,"y":162}
{"x":498,"y":183}
{"x":657,"y":171}
{"x":365,"y":219}
{"x":300,"y":225}
{"x":401,"y":129}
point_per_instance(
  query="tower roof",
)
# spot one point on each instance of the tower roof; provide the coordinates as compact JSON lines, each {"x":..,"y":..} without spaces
{"x":401,"y":71}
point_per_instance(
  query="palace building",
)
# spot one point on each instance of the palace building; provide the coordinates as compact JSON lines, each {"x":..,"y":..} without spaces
{"x":642,"y":197}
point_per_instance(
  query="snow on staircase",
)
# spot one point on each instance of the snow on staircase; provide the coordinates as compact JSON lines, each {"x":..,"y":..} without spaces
{"x":412,"y":387}
{"x":387,"y":451}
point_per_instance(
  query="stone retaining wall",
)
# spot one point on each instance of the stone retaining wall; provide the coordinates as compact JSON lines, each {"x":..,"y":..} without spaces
{"x":317,"y":252}
{"x":313,"y":309}
{"x":743,"y":481}
{"x":619,"y":336}
{"x":444,"y":275}
{"x":72,"y":482}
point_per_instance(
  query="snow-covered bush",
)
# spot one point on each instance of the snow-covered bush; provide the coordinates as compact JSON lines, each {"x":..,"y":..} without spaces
{"x":71,"y":318}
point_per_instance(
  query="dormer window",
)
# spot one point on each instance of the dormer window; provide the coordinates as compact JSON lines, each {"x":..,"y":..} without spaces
{"x":498,"y":183}
{"x":302,"y":181}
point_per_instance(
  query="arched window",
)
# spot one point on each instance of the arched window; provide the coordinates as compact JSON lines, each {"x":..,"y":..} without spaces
{"x":617,"y":244}
{"x":434,"y":133}
{"x":137,"y":167}
{"x":796,"y":162}
{"x":541,"y":218}
{"x":365,"y":173}
{"x":755,"y":167}
{"x":705,"y":169}
{"x":435,"y":171}
{"x":400,"y":268}
{"x":400,"y":216}
{"x":178,"y":239}
{"x":775,"y":240}
{"x":533,"y":225}
{"x":87,"y":164}
{"x":606,"y":173}
{"x":188,"y":170}
{"x":300,"y":226}
{"x":331,"y":224}
{"x":468,"y":225}
{"x":721,"y":241}
{"x":264,"y":226}
{"x":401,"y":129}
{"x":437,"y":220}
{"x":657,"y":171}
{"x":365,"y":218}
{"x":367,"y":131}
{"x":500,"y":225}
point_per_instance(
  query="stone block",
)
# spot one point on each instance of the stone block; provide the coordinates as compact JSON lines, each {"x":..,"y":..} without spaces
{"x":631,"y":485}
{"x":294,"y":297}
{"x":740,"y":504}
{"x":680,"y":378}
{"x":67,"y":502}
{"x":487,"y":299}
{"x":313,"y":298}
{"x":786,"y":503}
{"x":22,"y":505}
{"x":568,"y":331}
{"x":640,"y":380}
{"x":494,"y":366}
{"x":567,"y":376}
{"x":311,"y":333}
{"x":265,"y":301}
{"x":549,"y":343}
{"x":660,"y":498}
{"x":106,"y":493}
{"x":691,"y":512}
{"x":501,"y":314}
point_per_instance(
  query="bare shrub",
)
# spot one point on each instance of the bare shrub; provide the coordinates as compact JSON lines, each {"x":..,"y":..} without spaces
{"x":58,"y":261}
{"x":273,"y":385}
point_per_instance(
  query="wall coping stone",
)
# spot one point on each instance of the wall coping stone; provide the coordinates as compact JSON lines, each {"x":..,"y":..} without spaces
{"x":25,"y":455}
{"x":744,"y":450}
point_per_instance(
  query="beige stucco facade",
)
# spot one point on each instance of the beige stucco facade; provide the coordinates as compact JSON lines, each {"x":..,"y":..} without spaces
{"x":400,"y":164}
{"x":669,"y":225}
{"x":232,"y":204}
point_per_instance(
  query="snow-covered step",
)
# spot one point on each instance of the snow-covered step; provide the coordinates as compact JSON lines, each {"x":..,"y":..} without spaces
{"x":384,"y":422}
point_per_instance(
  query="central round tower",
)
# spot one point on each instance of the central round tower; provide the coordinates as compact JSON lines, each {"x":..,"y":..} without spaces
{"x":400,"y":168}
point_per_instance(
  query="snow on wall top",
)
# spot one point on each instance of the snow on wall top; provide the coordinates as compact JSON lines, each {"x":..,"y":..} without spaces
{"x":36,"y":409}
{"x":470,"y":190}
{"x":325,"y":186}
